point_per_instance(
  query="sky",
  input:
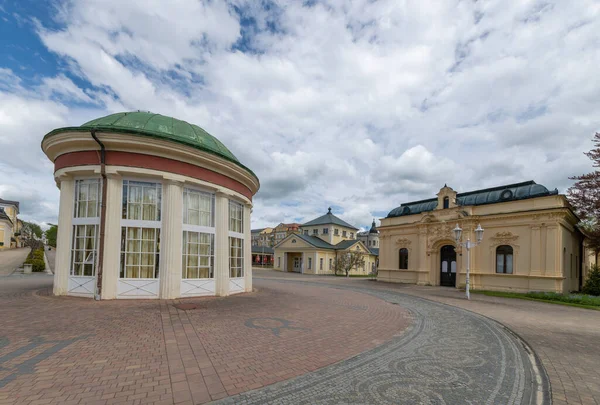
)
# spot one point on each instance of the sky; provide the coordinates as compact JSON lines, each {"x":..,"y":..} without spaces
{"x":356,"y":105}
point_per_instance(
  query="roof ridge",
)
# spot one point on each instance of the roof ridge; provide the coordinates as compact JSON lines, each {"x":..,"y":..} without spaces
{"x":495,"y":188}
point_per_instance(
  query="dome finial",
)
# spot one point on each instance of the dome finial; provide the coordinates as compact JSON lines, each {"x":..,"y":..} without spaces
{"x":329,"y":210}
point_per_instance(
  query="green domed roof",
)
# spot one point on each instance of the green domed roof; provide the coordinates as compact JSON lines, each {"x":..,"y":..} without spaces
{"x":157,"y":126}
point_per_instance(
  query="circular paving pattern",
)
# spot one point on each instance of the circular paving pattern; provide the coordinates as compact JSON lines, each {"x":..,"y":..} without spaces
{"x":447,"y":356}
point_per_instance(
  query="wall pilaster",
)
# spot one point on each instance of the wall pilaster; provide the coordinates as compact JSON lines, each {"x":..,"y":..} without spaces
{"x":63,"y":237}
{"x":112,"y":237}
{"x":247,"y":249}
{"x":171,"y":240}
{"x":222,"y":244}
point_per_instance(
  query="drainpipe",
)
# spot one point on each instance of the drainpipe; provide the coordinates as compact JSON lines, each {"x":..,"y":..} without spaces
{"x":102,"y":217}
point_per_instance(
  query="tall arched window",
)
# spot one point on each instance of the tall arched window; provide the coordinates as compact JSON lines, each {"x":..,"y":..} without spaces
{"x":403,"y":265}
{"x":504,"y":259}
{"x":446,"y":202}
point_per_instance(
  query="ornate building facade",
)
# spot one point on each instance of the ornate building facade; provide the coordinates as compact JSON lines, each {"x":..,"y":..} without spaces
{"x":530,"y":241}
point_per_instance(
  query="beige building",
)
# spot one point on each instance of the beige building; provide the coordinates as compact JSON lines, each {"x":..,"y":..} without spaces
{"x":282,"y":231}
{"x":10,"y":225}
{"x":315,"y":248}
{"x":176,"y":218}
{"x":530,"y":242}
{"x":263,"y":237}
{"x":370,"y":238}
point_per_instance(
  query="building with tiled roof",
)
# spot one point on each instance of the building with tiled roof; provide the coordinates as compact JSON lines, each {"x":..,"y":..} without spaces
{"x":318,"y":244}
{"x":530,"y":240}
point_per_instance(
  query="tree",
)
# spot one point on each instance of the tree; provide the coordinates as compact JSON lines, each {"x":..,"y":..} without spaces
{"x":344,"y":262}
{"x":51,"y":235}
{"x":592,"y":284}
{"x":584,"y":196}
{"x":30,"y":229}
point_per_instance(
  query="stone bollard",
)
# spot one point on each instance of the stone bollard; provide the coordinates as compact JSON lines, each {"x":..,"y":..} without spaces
{"x":27,"y":268}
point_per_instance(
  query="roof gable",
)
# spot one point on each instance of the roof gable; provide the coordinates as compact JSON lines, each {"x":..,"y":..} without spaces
{"x":327,"y":219}
{"x":304,"y":241}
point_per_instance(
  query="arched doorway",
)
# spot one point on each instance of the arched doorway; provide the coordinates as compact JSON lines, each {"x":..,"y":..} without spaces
{"x":448,"y":266}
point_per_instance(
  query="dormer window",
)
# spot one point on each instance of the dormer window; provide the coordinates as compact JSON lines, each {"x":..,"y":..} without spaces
{"x":446,"y":202}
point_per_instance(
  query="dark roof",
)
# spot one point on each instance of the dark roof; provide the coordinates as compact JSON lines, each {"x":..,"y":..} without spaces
{"x":257,"y":230}
{"x":373,"y":228}
{"x":4,"y":216}
{"x":345,"y":244}
{"x":263,"y":250}
{"x":493,"y":195}
{"x":327,"y":219}
{"x":156,"y":126}
{"x":9,"y":202}
{"x":375,"y":251}
{"x":315,"y":241}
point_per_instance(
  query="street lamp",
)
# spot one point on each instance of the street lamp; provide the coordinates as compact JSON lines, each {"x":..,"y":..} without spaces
{"x":468,"y":244}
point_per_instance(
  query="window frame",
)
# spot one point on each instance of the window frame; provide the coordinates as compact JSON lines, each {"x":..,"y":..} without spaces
{"x":85,"y":221}
{"x":403,"y":253}
{"x":141,"y":224}
{"x":188,"y":229}
{"x":505,"y":259}
{"x":236,"y":236}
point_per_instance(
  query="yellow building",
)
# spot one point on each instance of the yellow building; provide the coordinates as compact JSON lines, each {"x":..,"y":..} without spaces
{"x":9,"y":224}
{"x":315,"y":248}
{"x":530,"y":242}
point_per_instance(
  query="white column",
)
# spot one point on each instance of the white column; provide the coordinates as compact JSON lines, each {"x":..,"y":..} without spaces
{"x":221,"y":244}
{"x":63,"y":237}
{"x":247,"y":249}
{"x":171,"y":240}
{"x":111,"y":265}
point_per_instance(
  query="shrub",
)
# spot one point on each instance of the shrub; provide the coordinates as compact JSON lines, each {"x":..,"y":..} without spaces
{"x":592,"y":284}
{"x":36,"y":259}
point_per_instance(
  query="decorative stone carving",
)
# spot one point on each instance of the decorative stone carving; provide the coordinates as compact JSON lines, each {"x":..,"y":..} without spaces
{"x":504,"y":238}
{"x":403,"y":242}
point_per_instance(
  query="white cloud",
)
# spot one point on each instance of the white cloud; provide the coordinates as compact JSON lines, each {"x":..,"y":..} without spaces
{"x":356,"y":104}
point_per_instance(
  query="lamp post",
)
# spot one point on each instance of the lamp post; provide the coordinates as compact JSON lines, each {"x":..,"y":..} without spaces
{"x":468,"y":244}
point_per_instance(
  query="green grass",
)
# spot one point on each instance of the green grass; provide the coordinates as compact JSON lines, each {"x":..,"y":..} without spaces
{"x":574,"y":300}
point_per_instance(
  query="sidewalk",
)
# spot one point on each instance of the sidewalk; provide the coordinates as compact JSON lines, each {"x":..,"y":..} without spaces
{"x":11,"y":259}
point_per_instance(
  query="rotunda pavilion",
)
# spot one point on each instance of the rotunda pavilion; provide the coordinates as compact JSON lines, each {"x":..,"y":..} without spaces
{"x":150,"y":207}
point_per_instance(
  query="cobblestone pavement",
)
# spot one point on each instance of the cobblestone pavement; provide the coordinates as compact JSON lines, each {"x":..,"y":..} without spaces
{"x":66,"y":350}
{"x":563,"y":337}
{"x":11,"y":259}
{"x":449,"y":356}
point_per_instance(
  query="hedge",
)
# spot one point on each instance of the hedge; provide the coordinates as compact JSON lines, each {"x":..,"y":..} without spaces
{"x":36,"y":259}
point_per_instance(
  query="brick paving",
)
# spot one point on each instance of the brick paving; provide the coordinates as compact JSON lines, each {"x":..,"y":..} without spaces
{"x":565,"y":338}
{"x":66,"y":350}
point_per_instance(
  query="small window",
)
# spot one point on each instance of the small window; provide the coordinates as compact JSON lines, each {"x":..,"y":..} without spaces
{"x":236,"y":257}
{"x":403,"y":262}
{"x":351,"y":235}
{"x":325,"y":231}
{"x":306,"y":231}
{"x":504,"y":259}
{"x":336,"y":232}
{"x":344,"y":234}
{"x":236,"y":217}
{"x":315,"y":231}
{"x":446,"y":202}
{"x":310,"y":263}
{"x":321,"y":264}
{"x":279,"y":262}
